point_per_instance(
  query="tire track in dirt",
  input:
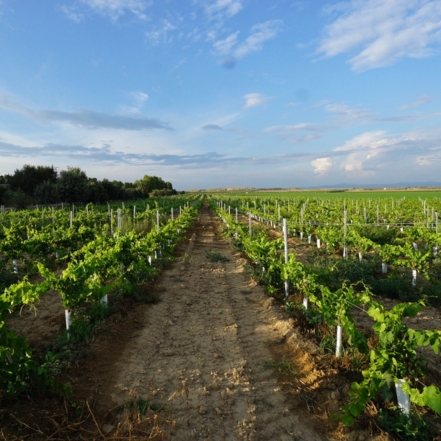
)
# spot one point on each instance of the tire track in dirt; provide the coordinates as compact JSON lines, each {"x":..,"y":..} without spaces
{"x":202,"y":351}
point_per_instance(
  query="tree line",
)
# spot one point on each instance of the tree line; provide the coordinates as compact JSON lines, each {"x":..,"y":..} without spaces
{"x":45,"y":185}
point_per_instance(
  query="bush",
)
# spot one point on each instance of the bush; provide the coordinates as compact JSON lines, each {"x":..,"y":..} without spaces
{"x":397,"y":286}
{"x":404,"y":427}
{"x":379,"y":235}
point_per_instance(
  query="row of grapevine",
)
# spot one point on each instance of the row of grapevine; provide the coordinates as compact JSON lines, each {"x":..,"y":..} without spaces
{"x":22,"y":243}
{"x":100,"y":264}
{"x":414,"y":246}
{"x":393,"y":361}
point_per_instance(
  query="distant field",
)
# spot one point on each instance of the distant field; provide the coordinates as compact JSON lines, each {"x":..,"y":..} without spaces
{"x":349,"y":194}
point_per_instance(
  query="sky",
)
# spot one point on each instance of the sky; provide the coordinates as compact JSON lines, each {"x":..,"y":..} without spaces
{"x":223,"y":93}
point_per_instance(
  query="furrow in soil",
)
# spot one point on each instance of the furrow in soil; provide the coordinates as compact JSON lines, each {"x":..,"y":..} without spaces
{"x":203,"y":350}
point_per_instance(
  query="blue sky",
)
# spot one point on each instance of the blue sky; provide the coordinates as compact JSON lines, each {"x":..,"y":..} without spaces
{"x":223,"y":93}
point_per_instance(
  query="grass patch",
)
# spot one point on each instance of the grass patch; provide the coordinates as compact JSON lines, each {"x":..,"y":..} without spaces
{"x":404,"y":427}
{"x":141,"y":406}
{"x":186,"y":259}
{"x":143,"y":294}
{"x":282,"y":366}
{"x":215,"y":256}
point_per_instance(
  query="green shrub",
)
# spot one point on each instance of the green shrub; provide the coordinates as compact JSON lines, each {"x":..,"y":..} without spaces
{"x":404,"y":427}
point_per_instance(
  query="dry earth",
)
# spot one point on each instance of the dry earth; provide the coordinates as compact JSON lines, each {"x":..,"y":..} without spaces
{"x":202,"y":352}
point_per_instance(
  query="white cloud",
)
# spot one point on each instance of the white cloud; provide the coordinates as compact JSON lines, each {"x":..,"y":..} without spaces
{"x":138,"y":100}
{"x":223,"y":47}
{"x":232,"y":49}
{"x":114,"y":9}
{"x":382,"y":31}
{"x":221,"y":9}
{"x":368,"y":140}
{"x":71,"y":13}
{"x":259,"y":34}
{"x":321,"y":165}
{"x":254,"y":100}
{"x":372,"y":152}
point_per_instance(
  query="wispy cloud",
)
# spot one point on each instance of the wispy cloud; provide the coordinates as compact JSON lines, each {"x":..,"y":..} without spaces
{"x":224,"y":47}
{"x":366,"y":155}
{"x":423,"y":99}
{"x":161,"y":33}
{"x":347,"y":114}
{"x":210,"y":127}
{"x":232,"y":49}
{"x":298,"y":132}
{"x":138,"y":100}
{"x":221,"y":9}
{"x":341,"y":116}
{"x":259,"y":34}
{"x":104,"y":155}
{"x":84,"y":118}
{"x":254,"y":100}
{"x":71,"y":12}
{"x":114,"y":9}
{"x":380,"y":32}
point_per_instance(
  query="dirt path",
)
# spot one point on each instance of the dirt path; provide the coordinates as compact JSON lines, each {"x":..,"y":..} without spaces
{"x":201,"y":351}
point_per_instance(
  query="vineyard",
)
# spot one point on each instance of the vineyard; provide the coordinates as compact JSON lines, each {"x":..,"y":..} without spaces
{"x":353,"y":279}
{"x":84,"y":255}
{"x":357,"y":252}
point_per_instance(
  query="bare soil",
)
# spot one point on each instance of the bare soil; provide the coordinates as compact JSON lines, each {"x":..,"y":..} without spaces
{"x":215,"y":359}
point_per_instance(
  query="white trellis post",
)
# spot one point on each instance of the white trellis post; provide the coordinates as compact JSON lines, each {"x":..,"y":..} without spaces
{"x":339,"y":346}
{"x":68,"y":316}
{"x":402,"y":398}
{"x":285,"y":240}
{"x":345,"y":226}
{"x":119,"y":219}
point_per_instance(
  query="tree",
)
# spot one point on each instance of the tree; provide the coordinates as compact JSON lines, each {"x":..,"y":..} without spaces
{"x":29,"y":177}
{"x":149,"y":183}
{"x":72,"y":186}
{"x":2,"y":194}
{"x":18,"y":198}
{"x":163,"y":192}
{"x":97,"y":191}
{"x":47,"y":193}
